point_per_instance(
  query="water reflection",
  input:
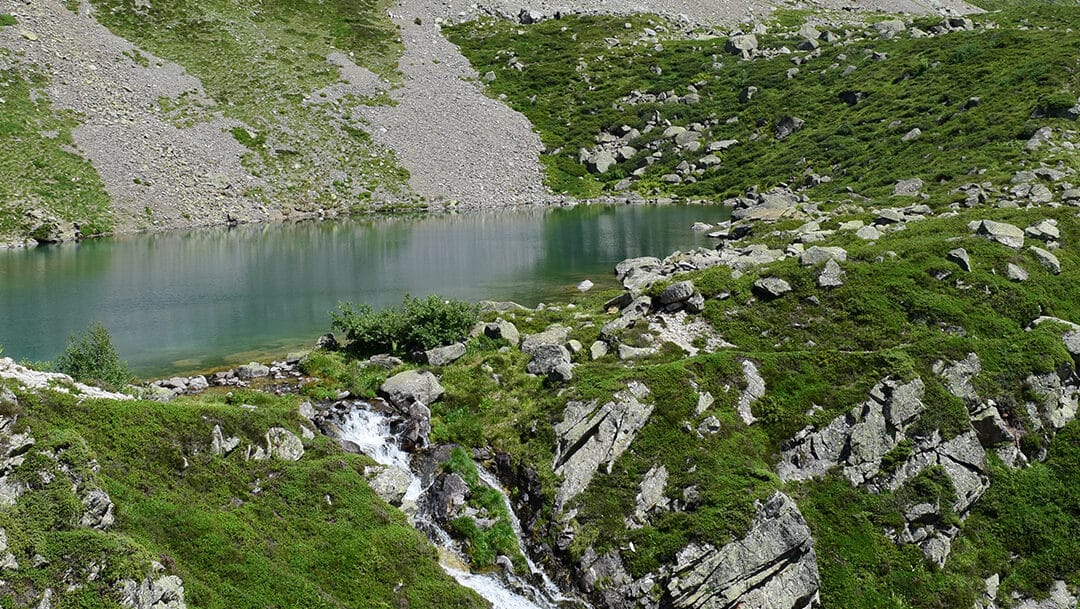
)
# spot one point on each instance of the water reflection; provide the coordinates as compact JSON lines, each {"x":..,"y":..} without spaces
{"x":186,"y":300}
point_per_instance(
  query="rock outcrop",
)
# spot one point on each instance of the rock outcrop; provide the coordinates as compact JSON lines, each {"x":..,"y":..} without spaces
{"x":590,"y":437}
{"x":858,"y":440}
{"x":773,"y":566}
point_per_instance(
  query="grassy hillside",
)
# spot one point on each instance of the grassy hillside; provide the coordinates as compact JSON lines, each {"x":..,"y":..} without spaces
{"x":264,"y":64}
{"x":239,"y":533}
{"x":575,"y":77}
{"x":43,"y":181}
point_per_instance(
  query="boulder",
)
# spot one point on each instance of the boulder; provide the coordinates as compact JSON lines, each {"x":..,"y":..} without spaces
{"x":1047,"y":230}
{"x":889,"y":29}
{"x":743,"y":45}
{"x":868,"y":233}
{"x":816,"y":255}
{"x":391,"y":484}
{"x":442,"y":356}
{"x":552,"y":361}
{"x":755,"y":390}
{"x":283,"y":444}
{"x":598,"y":350}
{"x":678,"y":292}
{"x":773,"y":566}
{"x":650,"y":497}
{"x":502,"y":329}
{"x":832,"y":276}
{"x":787,"y":126}
{"x":1005,"y":234}
{"x":411,"y":387}
{"x":908,"y":188}
{"x":166,"y":592}
{"x":220,"y":445}
{"x":1047,"y":259}
{"x":99,"y":510}
{"x":1015,"y":273}
{"x":960,"y":257}
{"x":253,"y":370}
{"x":772,"y":287}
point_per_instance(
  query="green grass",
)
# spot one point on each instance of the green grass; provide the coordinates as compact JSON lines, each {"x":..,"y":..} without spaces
{"x":39,"y":169}
{"x":240,"y":534}
{"x":264,"y":64}
{"x":6,"y":20}
{"x":573,"y":82}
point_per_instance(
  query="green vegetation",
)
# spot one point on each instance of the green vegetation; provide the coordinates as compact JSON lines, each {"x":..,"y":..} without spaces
{"x":244,"y":534}
{"x":42,"y":179}
{"x":574,"y":84}
{"x":418,"y":325}
{"x":90,"y":357}
{"x":6,"y":20}
{"x":483,"y":545}
{"x":267,"y":65}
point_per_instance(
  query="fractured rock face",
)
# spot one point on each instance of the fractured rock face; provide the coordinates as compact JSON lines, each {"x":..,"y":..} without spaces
{"x":163,"y":593}
{"x":99,"y":510}
{"x":590,"y":437}
{"x":755,"y":390}
{"x":858,"y":440}
{"x":774,"y":566}
{"x":650,"y":497}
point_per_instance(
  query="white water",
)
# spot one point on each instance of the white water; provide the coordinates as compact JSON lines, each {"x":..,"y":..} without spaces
{"x":370,"y":431}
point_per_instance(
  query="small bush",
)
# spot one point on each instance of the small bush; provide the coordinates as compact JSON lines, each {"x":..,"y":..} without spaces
{"x":90,"y":357}
{"x":419,"y":324}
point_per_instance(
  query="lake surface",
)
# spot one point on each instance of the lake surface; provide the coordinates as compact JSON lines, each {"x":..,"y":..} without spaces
{"x":194,"y":300}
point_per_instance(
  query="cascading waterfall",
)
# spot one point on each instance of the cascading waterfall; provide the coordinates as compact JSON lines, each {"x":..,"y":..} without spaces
{"x":371,"y":432}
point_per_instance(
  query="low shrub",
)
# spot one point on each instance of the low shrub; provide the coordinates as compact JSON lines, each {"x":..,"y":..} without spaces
{"x":418,"y":325}
{"x":90,"y":357}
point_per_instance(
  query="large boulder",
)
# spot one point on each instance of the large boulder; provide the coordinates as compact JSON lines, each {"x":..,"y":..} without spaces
{"x":442,"y":356}
{"x":1005,"y":234}
{"x":743,"y":45}
{"x":284,"y":444}
{"x":410,"y":387}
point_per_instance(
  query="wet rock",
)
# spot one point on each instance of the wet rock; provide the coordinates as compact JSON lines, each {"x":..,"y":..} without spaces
{"x":773,"y":566}
{"x":253,"y":370}
{"x":442,"y":356}
{"x":591,"y":436}
{"x":391,"y":484}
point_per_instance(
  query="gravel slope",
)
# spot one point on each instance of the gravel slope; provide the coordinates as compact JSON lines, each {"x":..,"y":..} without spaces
{"x":158,"y":176}
{"x":457,"y":143}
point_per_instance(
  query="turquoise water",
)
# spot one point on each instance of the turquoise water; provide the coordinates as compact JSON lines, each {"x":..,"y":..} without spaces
{"x":194,"y":300}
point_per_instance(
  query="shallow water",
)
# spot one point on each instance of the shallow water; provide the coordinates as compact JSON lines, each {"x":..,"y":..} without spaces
{"x":193,"y":300}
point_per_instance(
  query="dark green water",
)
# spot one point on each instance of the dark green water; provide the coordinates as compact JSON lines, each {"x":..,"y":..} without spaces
{"x":198,"y":299}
